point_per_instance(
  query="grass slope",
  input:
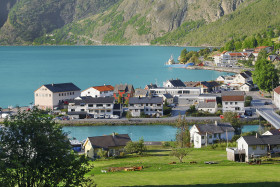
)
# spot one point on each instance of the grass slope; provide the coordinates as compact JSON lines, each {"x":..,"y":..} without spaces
{"x":157,"y":171}
{"x":252,"y":19}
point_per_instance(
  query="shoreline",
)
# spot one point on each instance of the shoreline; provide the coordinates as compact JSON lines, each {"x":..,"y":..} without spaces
{"x":221,"y":69}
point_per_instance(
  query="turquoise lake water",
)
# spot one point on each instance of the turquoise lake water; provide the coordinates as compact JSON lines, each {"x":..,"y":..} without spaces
{"x":24,"y":69}
{"x":149,"y":133}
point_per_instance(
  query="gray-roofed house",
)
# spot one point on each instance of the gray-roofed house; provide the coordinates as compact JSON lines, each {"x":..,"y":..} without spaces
{"x":168,"y":98}
{"x":152,"y":106}
{"x":99,"y":107}
{"x":210,"y":107}
{"x":205,"y":134}
{"x":49,"y":96}
{"x":255,"y":146}
{"x":272,"y":132}
{"x":243,"y":77}
{"x":150,"y":86}
{"x":114,"y":144}
{"x":140,"y":92}
{"x":173,"y":84}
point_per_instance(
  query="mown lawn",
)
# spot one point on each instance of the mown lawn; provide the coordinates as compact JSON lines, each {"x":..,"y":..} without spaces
{"x":158,"y":172}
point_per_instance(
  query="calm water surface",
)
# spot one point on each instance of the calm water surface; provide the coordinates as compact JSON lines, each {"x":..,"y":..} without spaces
{"x":24,"y":69}
{"x":148,"y":132}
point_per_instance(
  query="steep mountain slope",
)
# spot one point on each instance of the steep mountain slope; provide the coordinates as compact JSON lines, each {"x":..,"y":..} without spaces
{"x":29,"y":19}
{"x":255,"y":18}
{"x":164,"y":22}
{"x":139,"y":22}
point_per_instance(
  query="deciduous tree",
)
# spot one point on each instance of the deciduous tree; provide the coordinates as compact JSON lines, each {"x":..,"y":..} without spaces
{"x":180,"y":153}
{"x":35,"y":152}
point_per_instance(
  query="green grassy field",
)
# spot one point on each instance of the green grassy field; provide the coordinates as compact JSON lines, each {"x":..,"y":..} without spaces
{"x":158,"y":172}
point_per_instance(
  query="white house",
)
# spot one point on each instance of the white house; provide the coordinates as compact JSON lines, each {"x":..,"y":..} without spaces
{"x":205,"y":134}
{"x":210,"y":107}
{"x":173,"y":83}
{"x":233,"y":101}
{"x":245,"y":87}
{"x":175,"y":91}
{"x":49,"y":96}
{"x":99,"y":107}
{"x":147,"y":105}
{"x":276,"y":97}
{"x":254,"y":146}
{"x":99,"y":91}
{"x":242,"y":78}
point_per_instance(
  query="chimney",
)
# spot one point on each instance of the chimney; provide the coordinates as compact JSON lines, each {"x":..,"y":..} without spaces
{"x":113,"y":134}
{"x":216,"y":123}
{"x":52,"y":84}
{"x":257,"y":135}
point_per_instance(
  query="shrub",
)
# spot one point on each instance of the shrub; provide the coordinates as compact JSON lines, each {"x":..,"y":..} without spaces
{"x":102,"y":153}
{"x":249,"y":98}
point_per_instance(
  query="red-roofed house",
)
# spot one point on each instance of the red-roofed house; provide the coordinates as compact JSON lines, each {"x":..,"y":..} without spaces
{"x":99,"y":91}
{"x":267,"y":48}
{"x":277,"y":97}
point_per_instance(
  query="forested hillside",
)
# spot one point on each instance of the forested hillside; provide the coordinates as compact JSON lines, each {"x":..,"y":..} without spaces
{"x":129,"y":22}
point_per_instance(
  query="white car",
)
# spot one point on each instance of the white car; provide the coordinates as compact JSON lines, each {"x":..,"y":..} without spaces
{"x":115,"y":117}
{"x":107,"y":116}
{"x":101,"y":116}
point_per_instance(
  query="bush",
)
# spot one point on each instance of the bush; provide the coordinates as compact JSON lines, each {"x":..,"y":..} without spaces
{"x":166,"y":144}
{"x":247,"y":103}
{"x":136,"y":147}
{"x":102,"y":153}
{"x":249,"y":98}
{"x":166,"y":110}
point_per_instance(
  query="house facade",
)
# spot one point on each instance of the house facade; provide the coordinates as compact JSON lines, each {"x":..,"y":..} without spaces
{"x":49,"y":96}
{"x":255,"y":146}
{"x":210,"y":107}
{"x":205,"y":134}
{"x":175,"y":91}
{"x":99,"y":91}
{"x":124,"y":90}
{"x":101,"y":107}
{"x":152,"y":106}
{"x":114,"y":145}
{"x":233,"y":101}
{"x":276,"y":97}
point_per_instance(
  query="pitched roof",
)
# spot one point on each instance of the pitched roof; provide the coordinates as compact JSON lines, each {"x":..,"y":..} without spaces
{"x":144,"y":100}
{"x":128,"y":88}
{"x":139,"y":92}
{"x":233,"y":96}
{"x":167,"y":96}
{"x":108,"y":141}
{"x":150,"y":86}
{"x":177,"y":83}
{"x":275,"y":131}
{"x":213,"y":128}
{"x":244,"y":75}
{"x":191,"y":84}
{"x":62,"y":87}
{"x":262,"y":140}
{"x":248,"y":73}
{"x":104,"y":88}
{"x":206,"y":104}
{"x":277,"y":90}
{"x":89,"y":99}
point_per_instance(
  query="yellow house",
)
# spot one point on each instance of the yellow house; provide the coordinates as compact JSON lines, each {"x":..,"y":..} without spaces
{"x":114,"y":144}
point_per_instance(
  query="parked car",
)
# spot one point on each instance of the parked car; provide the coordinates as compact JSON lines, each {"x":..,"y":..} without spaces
{"x":107,"y":116}
{"x":101,"y":116}
{"x":115,"y":117}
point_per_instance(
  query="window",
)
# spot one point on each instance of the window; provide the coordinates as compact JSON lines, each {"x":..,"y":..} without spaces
{"x":50,"y":95}
{"x":37,"y":95}
{"x":202,"y":137}
{"x":210,"y":136}
{"x":147,"y":104}
{"x":90,"y":105}
{"x":136,"y":110}
{"x":82,"y":104}
{"x":108,"y":105}
{"x":254,"y":147}
{"x":108,"y":110}
{"x":226,"y":103}
{"x":231,"y":103}
{"x":82,"y":110}
{"x":99,"y":105}
{"x":158,"y":104}
{"x":236,"y":103}
{"x":72,"y":110}
{"x":58,"y":94}
{"x":102,"y":111}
